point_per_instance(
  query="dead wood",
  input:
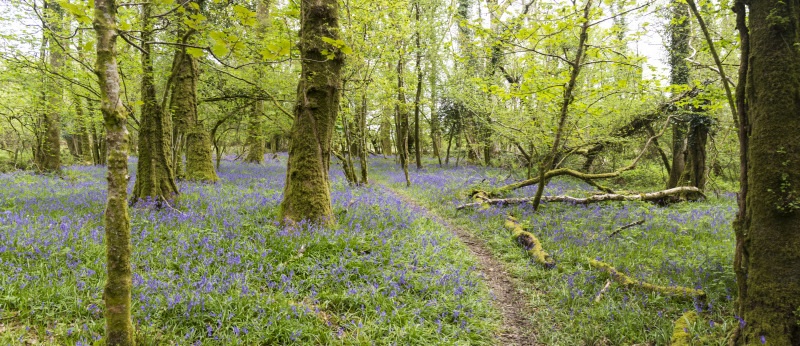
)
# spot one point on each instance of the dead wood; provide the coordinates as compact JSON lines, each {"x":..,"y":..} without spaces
{"x":658,"y":197}
{"x":531,"y":244}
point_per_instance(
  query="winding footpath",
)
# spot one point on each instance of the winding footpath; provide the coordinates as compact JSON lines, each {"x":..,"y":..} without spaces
{"x":506,"y":291}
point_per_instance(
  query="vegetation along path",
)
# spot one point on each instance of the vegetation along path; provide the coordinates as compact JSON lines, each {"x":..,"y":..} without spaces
{"x":506,"y":290}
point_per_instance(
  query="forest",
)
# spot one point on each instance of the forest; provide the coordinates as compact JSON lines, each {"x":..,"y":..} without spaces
{"x":400,"y":172}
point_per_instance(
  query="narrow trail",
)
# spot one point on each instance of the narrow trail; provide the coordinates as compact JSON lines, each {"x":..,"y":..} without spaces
{"x":516,"y":328}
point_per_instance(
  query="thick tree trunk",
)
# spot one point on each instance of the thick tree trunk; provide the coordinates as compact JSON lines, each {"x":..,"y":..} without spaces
{"x":199,"y":159}
{"x":697,"y":139}
{"x":767,"y":260}
{"x":86,"y":145}
{"x":48,"y":148}
{"x":155,"y":178}
{"x":307,"y":191}
{"x":679,"y":75}
{"x":117,"y":290}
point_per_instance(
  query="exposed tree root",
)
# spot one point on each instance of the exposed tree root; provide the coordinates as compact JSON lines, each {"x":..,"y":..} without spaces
{"x":658,"y":197}
{"x":529,"y":241}
{"x":628,"y":283}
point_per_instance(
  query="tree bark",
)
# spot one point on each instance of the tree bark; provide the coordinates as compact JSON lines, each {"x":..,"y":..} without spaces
{"x":155,"y":178}
{"x":48,"y":153}
{"x":402,"y":120}
{"x":117,"y":290}
{"x":362,"y":140}
{"x":679,"y":75}
{"x":255,"y":141}
{"x":767,"y":259}
{"x":199,"y":160}
{"x":568,"y":98}
{"x":418,"y":96}
{"x":307,"y":190}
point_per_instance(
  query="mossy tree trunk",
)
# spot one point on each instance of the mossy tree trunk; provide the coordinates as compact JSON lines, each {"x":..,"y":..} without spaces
{"x":767,"y":259}
{"x":306,"y":195}
{"x":155,"y":178}
{"x":117,"y":290}
{"x":679,"y":76}
{"x":48,"y":147}
{"x":199,"y":160}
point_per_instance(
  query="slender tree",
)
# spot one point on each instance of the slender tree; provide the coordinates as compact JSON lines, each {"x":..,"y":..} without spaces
{"x":306,"y":195}
{"x":767,"y":259}
{"x":117,"y":291}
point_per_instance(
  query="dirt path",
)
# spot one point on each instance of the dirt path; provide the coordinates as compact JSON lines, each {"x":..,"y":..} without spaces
{"x":508,"y":298}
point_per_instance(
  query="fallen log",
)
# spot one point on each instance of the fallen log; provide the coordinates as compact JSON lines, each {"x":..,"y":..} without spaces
{"x":628,"y":283}
{"x":588,"y":178}
{"x":660,"y":197}
{"x":529,"y":241}
{"x":616,"y":231}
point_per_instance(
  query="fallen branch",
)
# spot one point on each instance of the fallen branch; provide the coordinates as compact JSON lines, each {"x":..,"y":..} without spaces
{"x":661,"y":197}
{"x":529,"y":241}
{"x":605,"y":288}
{"x":588,"y":178}
{"x":625,"y":227}
{"x":628,"y":283}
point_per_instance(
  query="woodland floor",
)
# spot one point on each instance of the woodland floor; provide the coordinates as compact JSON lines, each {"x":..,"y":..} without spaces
{"x":507,"y":295}
{"x":401,"y":267}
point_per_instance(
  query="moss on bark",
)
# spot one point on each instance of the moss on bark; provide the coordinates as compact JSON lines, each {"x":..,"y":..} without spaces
{"x":306,"y":195}
{"x":155,"y":178}
{"x":117,"y":290}
{"x":48,"y":136}
{"x":768,"y":238}
{"x":199,"y":160}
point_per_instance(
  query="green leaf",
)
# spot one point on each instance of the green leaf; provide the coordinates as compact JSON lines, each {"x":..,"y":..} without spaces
{"x":220,"y":49}
{"x":195,"y":52}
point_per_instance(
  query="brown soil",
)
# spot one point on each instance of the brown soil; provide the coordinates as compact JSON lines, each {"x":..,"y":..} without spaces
{"x":507,"y":292}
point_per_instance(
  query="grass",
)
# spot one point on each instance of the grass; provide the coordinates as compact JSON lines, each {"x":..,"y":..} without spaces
{"x":688,"y":244}
{"x":217,"y":270}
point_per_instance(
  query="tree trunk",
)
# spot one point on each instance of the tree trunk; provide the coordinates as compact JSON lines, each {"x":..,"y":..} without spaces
{"x":697,"y":139}
{"x":307,"y":191}
{"x":568,"y":98}
{"x":418,"y":97}
{"x":199,"y":159}
{"x":679,"y":75}
{"x":362,"y":140}
{"x":48,"y":153}
{"x":155,"y":178}
{"x":117,"y":290}
{"x":402,"y":120}
{"x":767,"y":259}
{"x":255,"y":141}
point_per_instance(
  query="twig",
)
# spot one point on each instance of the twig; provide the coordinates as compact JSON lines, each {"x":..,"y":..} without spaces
{"x":626,"y":227}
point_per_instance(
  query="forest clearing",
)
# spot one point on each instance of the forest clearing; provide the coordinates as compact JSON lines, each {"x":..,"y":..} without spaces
{"x":399,"y":172}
